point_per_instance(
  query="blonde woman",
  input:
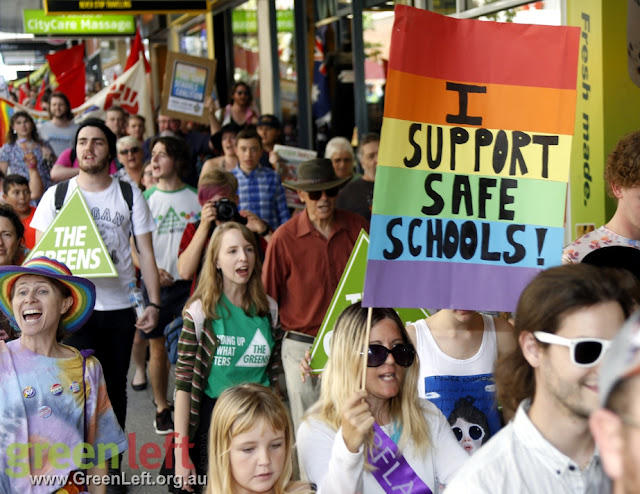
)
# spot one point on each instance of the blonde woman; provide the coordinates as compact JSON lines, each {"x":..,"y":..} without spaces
{"x":226,"y":339}
{"x":250,"y":444}
{"x":384,"y":438}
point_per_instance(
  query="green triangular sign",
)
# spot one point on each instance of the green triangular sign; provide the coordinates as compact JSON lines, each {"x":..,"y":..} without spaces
{"x":168,"y":222}
{"x":74,"y":239}
{"x":349,"y":292}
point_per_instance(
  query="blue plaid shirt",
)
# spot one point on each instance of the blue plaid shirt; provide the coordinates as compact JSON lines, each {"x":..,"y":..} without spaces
{"x":261,"y":192}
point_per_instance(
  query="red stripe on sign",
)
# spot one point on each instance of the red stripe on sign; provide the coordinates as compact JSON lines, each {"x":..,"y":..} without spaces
{"x":432,"y":45}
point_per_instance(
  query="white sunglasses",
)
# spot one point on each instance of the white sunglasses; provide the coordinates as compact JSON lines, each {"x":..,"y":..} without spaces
{"x":585,"y":352}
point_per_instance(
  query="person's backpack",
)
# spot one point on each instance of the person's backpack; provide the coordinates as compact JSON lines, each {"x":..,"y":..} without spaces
{"x":172,"y":335}
{"x":125,"y":189}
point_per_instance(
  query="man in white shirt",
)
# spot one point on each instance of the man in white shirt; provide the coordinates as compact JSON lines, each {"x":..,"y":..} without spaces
{"x":110,"y":329}
{"x":565,"y":320}
{"x":616,"y":426}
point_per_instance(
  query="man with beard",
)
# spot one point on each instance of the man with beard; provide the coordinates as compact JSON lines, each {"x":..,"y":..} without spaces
{"x":60,"y":130}
{"x":565,"y":321}
{"x":616,"y":426}
{"x":110,"y":330}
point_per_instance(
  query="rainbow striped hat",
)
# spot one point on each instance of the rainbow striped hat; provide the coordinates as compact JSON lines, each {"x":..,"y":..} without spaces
{"x":82,"y":290}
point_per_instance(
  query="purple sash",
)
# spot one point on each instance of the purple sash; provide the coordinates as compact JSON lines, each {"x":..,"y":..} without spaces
{"x":391,"y":470}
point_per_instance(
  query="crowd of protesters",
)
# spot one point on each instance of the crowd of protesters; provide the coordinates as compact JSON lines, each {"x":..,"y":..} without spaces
{"x":461,"y":401}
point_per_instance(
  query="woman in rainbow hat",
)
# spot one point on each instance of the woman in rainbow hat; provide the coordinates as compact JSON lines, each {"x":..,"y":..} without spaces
{"x":56,"y":416}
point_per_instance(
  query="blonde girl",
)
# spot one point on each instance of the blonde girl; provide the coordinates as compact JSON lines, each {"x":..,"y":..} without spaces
{"x":337,"y":438}
{"x":251,"y":444}
{"x":226,"y":339}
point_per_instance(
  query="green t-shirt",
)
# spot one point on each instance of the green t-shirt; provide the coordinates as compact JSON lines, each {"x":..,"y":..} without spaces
{"x":244,"y":350}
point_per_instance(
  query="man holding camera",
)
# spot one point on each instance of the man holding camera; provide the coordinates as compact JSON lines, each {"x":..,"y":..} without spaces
{"x":218,"y":196}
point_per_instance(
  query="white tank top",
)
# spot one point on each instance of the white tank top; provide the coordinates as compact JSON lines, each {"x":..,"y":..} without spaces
{"x":446,"y":380}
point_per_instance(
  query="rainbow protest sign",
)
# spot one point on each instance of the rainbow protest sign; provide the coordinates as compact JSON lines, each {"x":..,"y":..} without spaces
{"x":473,"y":165}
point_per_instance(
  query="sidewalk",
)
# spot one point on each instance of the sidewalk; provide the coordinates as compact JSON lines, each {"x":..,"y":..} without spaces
{"x":140,"y":416}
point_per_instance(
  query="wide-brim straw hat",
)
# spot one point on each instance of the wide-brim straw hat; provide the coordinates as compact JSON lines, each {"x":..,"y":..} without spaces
{"x":316,"y":174}
{"x":82,"y":290}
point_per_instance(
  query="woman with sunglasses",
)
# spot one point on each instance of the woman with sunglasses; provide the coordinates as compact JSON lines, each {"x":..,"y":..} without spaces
{"x":380,"y":439}
{"x":130,"y":155}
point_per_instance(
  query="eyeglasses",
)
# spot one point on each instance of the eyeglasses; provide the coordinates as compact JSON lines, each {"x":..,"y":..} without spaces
{"x":585,"y":352}
{"x":315,"y":195}
{"x":130,"y":151}
{"x":402,"y":354}
{"x":474,"y":431}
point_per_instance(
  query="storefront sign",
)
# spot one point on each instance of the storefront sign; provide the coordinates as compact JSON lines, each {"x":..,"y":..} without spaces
{"x":39,"y":23}
{"x":246,"y":21}
{"x":124,"y":6}
{"x":188,"y":81}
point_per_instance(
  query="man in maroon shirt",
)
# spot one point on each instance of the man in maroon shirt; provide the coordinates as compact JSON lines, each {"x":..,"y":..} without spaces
{"x":303,"y":265}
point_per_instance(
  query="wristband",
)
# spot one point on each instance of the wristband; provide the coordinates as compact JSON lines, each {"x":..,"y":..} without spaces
{"x":155,"y":306}
{"x":266,"y":231}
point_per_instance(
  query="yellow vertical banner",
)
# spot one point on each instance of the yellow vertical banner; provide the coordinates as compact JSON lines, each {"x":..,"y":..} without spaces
{"x":606,"y":108}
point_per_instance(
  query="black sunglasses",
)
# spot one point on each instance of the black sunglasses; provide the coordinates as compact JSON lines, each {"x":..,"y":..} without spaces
{"x":402,"y":354}
{"x":314,"y":195}
{"x":475,"y":432}
{"x":130,"y":151}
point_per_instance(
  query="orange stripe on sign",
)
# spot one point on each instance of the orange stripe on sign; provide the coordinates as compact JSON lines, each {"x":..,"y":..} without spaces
{"x":530,"y":109}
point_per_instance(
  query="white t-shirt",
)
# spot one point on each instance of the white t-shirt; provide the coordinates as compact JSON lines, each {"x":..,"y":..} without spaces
{"x":60,"y":138}
{"x":461,"y":388}
{"x":111,"y":214}
{"x":326,"y":461}
{"x":172,"y":211}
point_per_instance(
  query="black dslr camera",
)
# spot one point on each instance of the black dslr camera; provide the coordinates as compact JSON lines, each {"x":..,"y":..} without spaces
{"x":228,"y":211}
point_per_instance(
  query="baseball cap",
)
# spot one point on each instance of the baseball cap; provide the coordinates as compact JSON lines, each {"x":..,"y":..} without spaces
{"x":269,"y":121}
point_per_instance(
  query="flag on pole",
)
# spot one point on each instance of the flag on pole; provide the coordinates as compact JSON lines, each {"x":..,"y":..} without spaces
{"x":128,"y":91}
{"x":137,"y":48}
{"x":68,"y":73}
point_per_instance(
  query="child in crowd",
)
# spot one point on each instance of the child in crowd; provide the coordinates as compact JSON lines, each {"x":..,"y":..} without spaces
{"x":226,"y":339}
{"x":18,"y":194}
{"x":250,"y":444}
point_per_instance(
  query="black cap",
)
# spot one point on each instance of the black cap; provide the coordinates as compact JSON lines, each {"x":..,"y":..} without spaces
{"x":269,"y":121}
{"x":111,"y":137}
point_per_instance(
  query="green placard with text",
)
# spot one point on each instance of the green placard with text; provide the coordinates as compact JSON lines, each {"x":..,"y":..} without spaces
{"x":349,"y":292}
{"x":74,"y":239}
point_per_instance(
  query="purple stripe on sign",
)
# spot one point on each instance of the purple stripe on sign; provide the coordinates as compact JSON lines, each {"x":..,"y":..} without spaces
{"x":429,"y":284}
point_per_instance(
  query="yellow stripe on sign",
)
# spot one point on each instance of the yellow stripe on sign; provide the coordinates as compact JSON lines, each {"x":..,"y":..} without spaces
{"x":474,"y":151}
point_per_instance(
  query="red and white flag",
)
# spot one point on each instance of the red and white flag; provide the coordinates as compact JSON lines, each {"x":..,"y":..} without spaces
{"x":128,"y":91}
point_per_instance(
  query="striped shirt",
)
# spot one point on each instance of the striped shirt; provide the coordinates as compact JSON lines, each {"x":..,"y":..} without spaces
{"x":194,"y":359}
{"x":261,"y":192}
